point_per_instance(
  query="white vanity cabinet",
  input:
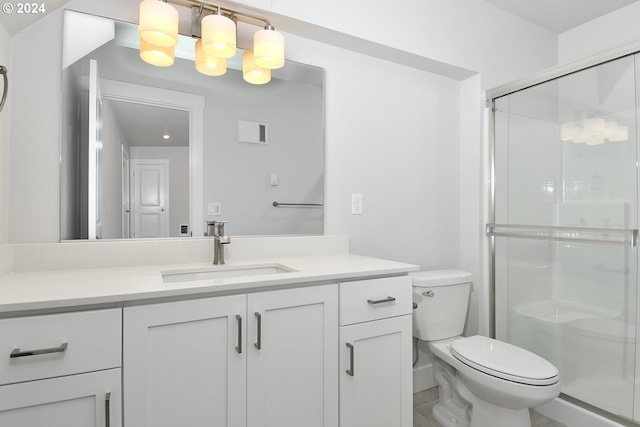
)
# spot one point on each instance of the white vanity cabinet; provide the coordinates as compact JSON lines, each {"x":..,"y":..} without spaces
{"x":265,"y":359}
{"x":375,"y":353}
{"x":61,"y":369}
{"x":184,"y":363}
{"x":292,"y":368}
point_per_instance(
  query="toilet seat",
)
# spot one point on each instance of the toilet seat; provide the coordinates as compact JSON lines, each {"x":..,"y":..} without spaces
{"x":504,"y":360}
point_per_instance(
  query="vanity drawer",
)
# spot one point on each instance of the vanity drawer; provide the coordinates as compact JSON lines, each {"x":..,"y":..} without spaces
{"x":366,"y":300}
{"x":47,"y":346}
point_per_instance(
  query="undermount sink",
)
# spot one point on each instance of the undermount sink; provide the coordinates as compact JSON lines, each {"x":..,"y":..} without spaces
{"x":222,"y":272}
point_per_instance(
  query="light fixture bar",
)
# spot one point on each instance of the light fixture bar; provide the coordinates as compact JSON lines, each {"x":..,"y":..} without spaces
{"x":198,"y":7}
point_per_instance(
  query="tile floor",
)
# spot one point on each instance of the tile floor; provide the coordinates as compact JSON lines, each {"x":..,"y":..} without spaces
{"x":425,"y":400}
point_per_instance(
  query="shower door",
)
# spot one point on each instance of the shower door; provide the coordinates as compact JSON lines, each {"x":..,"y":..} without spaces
{"x":565,"y":220}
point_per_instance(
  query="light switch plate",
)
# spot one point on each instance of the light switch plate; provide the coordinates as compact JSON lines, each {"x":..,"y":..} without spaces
{"x":214,"y":209}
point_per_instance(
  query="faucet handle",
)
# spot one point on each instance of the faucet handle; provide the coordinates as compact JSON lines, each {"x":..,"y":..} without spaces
{"x":215,"y":228}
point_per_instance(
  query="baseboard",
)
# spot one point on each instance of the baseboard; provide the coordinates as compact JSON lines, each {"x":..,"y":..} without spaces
{"x":423,"y":378}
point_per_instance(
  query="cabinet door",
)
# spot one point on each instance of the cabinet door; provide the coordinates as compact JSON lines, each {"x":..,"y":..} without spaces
{"x":375,"y":374}
{"x":292,"y":369}
{"x":184,"y":363}
{"x":82,"y":400}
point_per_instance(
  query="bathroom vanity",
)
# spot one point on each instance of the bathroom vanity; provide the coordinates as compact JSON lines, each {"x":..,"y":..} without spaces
{"x":315,"y":341}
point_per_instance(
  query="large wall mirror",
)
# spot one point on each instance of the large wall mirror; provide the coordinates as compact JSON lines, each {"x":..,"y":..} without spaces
{"x":157,"y":151}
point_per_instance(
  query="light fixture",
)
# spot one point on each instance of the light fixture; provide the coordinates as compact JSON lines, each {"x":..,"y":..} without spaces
{"x":208,"y":64}
{"x":215,"y":30}
{"x":218,"y":35}
{"x":160,"y":56}
{"x":158,"y":23}
{"x":268,"y":48}
{"x":252,"y":72}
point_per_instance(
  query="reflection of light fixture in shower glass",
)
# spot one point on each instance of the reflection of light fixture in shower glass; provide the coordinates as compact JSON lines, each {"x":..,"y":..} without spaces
{"x":621,"y":134}
{"x":594,"y":131}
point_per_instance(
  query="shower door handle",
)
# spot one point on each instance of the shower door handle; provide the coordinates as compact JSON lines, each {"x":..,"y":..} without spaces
{"x":588,"y":235}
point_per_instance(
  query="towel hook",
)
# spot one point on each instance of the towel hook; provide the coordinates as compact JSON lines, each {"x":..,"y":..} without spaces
{"x":3,"y":71}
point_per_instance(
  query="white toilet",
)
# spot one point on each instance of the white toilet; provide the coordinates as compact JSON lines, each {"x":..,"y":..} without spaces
{"x":483,"y":382}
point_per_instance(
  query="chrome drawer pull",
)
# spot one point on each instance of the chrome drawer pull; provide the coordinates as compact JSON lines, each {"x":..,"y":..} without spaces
{"x":239,"y":346}
{"x":350,"y":371}
{"x":381,"y":301}
{"x":107,"y":410}
{"x":258,"y":343}
{"x":17,"y":353}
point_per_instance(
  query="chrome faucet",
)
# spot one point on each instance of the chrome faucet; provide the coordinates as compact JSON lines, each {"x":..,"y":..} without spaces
{"x":216,"y":229}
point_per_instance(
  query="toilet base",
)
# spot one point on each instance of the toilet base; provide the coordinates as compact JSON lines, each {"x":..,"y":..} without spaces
{"x":485,"y":414}
{"x":446,"y":418}
{"x":452,"y":410}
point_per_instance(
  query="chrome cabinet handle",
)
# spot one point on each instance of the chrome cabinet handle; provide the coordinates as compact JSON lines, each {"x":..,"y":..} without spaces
{"x":18,"y":353}
{"x":107,"y":410}
{"x":350,"y":371}
{"x":428,"y":294}
{"x":258,"y":343}
{"x":381,"y":301}
{"x":239,"y":346}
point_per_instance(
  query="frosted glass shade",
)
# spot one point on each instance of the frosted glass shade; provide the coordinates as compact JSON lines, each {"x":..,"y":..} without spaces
{"x":253,"y":73}
{"x":268,"y":49}
{"x":161,"y":56}
{"x":219,"y":36}
{"x":158,"y":23}
{"x":208,"y":64}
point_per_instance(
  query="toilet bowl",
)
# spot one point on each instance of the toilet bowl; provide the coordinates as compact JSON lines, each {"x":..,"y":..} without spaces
{"x":483,"y":382}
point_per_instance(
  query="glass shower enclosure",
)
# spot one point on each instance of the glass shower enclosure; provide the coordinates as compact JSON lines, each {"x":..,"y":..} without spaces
{"x":564,"y":231}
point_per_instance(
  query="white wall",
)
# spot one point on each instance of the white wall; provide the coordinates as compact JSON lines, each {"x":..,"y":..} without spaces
{"x":609,"y":30}
{"x":4,"y":158}
{"x":399,"y":146}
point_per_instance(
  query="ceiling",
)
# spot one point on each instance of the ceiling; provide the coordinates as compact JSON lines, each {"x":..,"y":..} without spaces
{"x":559,"y":16}
{"x":145,"y":125}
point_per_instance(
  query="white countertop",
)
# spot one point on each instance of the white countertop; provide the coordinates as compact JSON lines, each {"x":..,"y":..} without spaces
{"x":61,"y":289}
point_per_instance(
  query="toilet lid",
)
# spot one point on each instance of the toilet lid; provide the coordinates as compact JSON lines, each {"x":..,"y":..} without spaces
{"x":504,"y":361}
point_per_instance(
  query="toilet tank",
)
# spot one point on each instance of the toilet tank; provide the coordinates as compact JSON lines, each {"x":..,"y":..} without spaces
{"x":442,"y":298}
